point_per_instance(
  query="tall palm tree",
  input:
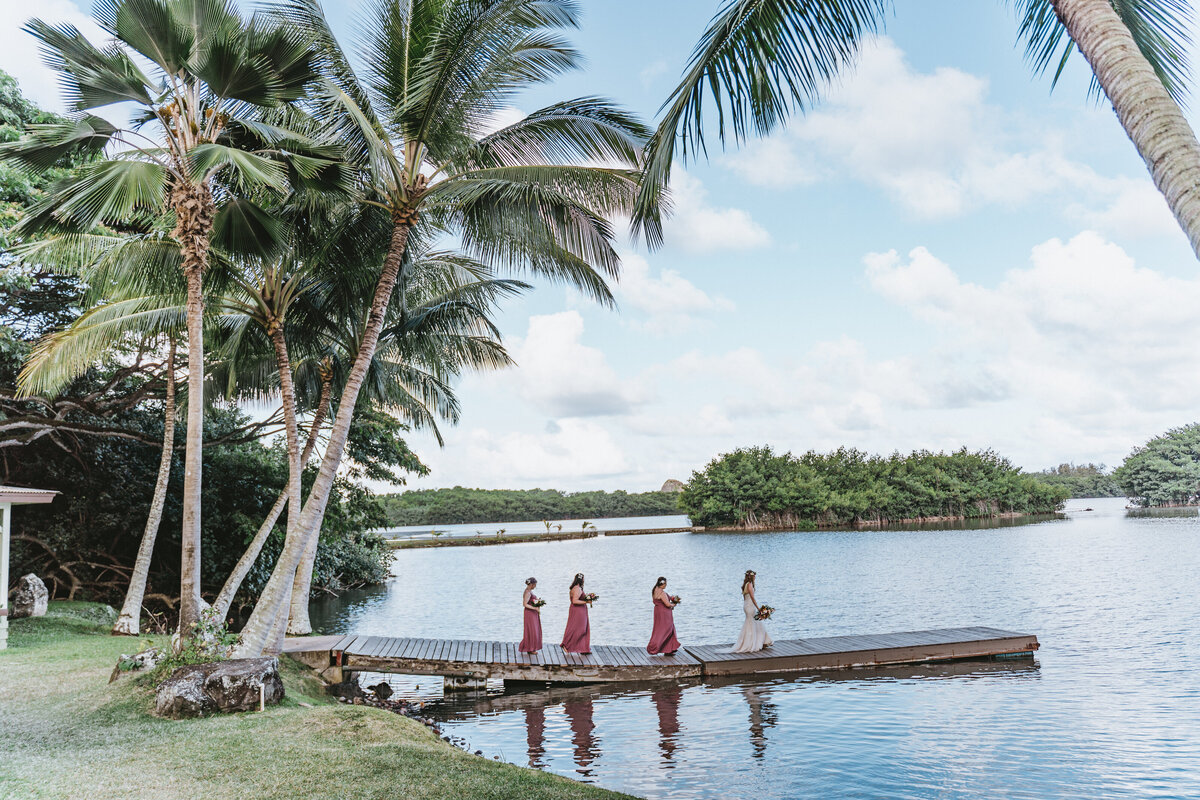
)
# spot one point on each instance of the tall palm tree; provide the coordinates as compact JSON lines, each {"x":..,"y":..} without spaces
{"x":759,"y":61}
{"x":199,"y":138}
{"x":415,"y":130}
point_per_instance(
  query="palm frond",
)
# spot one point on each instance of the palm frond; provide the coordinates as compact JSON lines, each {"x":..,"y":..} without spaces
{"x":1161,"y":29}
{"x":759,"y":61}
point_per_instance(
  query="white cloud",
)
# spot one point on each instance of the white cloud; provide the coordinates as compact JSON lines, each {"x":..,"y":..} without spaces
{"x":569,"y":450}
{"x":565,"y":377}
{"x":653,"y":71}
{"x":698,"y":227}
{"x":1083,"y":331}
{"x":19,"y":54}
{"x":937,"y":148}
{"x":668,"y":301}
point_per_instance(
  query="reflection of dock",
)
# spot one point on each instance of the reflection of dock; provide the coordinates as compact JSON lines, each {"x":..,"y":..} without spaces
{"x":468,"y":663}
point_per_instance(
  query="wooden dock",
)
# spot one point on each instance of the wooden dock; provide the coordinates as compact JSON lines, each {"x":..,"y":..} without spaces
{"x":466,"y":663}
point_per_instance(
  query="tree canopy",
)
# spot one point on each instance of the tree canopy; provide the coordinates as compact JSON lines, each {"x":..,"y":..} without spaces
{"x":459,"y":505}
{"x":756,"y":488}
{"x":1164,"y":471}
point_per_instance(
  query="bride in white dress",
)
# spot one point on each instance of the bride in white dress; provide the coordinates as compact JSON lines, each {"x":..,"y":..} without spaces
{"x":754,"y":636}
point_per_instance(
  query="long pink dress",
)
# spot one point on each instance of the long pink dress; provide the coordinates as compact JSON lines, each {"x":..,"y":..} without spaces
{"x":662,"y":638}
{"x":577,"y":638}
{"x":531,"y":642}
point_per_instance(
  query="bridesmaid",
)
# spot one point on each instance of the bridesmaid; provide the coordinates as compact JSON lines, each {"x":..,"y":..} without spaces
{"x":662,"y":638}
{"x":577,"y":638}
{"x":531,"y":642}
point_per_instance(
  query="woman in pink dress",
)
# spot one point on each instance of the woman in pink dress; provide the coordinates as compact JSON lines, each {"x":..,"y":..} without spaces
{"x":531,"y":642}
{"x":577,"y":638}
{"x":662,"y":638}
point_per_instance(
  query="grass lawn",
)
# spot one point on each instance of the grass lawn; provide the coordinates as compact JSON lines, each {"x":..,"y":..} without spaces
{"x":67,"y":733}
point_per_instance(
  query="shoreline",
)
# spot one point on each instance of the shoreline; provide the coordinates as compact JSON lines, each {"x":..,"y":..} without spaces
{"x":522,"y":538}
{"x":884,"y":523}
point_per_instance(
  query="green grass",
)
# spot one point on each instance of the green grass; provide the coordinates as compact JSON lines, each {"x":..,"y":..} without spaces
{"x":68,"y":733}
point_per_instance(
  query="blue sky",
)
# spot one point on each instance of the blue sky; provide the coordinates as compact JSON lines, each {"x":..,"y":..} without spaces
{"x":943,"y":254}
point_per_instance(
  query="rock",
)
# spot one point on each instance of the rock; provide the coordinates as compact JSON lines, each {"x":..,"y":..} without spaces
{"x":30,"y":599}
{"x":346,"y":690}
{"x":146,"y":659}
{"x":221,"y":686}
{"x":671,"y":486}
{"x":381,"y":690}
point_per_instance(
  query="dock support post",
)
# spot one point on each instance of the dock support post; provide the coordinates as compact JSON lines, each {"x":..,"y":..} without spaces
{"x":457,"y":683}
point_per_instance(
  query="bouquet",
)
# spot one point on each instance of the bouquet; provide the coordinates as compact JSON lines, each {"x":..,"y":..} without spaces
{"x":676,"y":599}
{"x":764,"y":612}
{"x":590,"y":597}
{"x":538,"y":603}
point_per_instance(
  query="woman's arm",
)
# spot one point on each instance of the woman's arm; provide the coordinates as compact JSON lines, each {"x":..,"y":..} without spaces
{"x":750,"y":591}
{"x":525,"y":600}
{"x":577,"y":593}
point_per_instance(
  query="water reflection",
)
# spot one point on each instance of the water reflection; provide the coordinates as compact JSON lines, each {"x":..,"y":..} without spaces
{"x":587,"y":747}
{"x":763,"y":715}
{"x":535,"y":736}
{"x":666,"y":703}
{"x":760,"y":712}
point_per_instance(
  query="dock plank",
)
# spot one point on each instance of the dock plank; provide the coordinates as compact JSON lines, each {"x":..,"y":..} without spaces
{"x":632,"y":663}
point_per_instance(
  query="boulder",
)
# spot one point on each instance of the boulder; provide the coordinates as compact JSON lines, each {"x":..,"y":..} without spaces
{"x":30,"y":599}
{"x":671,"y":486}
{"x":219,"y":687}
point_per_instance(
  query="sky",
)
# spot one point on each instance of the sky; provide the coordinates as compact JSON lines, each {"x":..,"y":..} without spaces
{"x":944,"y":253}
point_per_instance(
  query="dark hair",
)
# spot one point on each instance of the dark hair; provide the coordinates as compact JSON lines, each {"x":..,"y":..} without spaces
{"x":578,"y":581}
{"x":749,"y":578}
{"x":530,"y":581}
{"x":660,"y":582}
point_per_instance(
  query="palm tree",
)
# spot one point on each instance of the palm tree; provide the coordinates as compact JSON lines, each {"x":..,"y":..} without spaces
{"x":759,"y":61}
{"x":415,"y":133}
{"x":199,"y":137}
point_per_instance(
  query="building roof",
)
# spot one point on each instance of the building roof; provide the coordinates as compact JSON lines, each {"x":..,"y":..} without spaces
{"x":19,"y":495}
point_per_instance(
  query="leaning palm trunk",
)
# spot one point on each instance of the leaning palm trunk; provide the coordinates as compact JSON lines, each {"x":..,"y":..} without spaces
{"x":195,"y":210}
{"x":242,"y":568}
{"x":130,"y":620}
{"x":1149,"y":114}
{"x":299,"y":623}
{"x":261,"y":634}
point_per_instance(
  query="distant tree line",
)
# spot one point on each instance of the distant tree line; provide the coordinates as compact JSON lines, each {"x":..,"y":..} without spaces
{"x":461,"y":505}
{"x":1165,"y":471}
{"x":756,"y":489}
{"x":1082,"y":480}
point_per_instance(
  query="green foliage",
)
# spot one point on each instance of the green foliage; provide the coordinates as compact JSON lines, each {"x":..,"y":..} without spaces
{"x":1165,"y":470}
{"x":460,"y":505}
{"x":210,"y":641}
{"x":1081,"y":480}
{"x":755,"y":488}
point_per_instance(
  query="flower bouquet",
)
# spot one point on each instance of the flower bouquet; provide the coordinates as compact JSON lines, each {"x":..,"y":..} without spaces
{"x":764,"y":612}
{"x":590,"y":597}
{"x":538,"y":603}
{"x":676,"y":599}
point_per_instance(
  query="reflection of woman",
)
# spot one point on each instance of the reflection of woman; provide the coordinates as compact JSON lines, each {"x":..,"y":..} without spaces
{"x":762,"y":716}
{"x":535,"y":735}
{"x":531,"y":642}
{"x":666,"y":702}
{"x":579,"y":712}
{"x":577,"y":638}
{"x":662,"y":637}
{"x":754,"y":636}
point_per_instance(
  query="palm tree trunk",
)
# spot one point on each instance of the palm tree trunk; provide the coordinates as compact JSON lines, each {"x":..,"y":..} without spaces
{"x":258,"y":636}
{"x":1151,"y":118}
{"x":130,"y":620}
{"x":194,"y":213}
{"x":242,"y":568}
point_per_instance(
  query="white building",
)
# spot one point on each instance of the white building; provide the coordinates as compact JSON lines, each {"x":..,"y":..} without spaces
{"x":12,"y":496}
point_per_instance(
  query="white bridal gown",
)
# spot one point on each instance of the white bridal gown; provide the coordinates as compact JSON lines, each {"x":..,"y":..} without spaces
{"x":754,"y":634}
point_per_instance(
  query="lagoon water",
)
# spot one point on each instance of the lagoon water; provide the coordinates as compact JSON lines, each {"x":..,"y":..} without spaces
{"x":1110,"y":706}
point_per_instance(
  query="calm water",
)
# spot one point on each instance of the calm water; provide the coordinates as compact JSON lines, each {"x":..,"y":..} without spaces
{"x":1109,"y":708}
